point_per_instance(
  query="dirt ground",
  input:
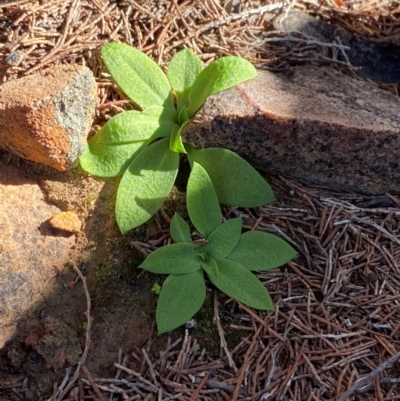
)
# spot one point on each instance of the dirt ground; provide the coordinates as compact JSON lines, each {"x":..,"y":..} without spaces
{"x":337,"y":313}
{"x":118,"y":297}
{"x":123,"y":305}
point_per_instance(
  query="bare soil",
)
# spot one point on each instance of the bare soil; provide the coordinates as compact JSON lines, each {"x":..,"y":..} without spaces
{"x":123,"y":304}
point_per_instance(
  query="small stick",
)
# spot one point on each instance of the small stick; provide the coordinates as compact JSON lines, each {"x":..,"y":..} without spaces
{"x":221,"y":333}
{"x":214,"y":385}
{"x":244,"y":15}
{"x":91,"y":381}
{"x":61,"y":395}
{"x":307,"y":42}
{"x":152,"y":374}
{"x":369,"y":379}
{"x":196,"y":394}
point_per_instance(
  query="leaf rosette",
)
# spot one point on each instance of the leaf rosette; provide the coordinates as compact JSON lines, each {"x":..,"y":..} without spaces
{"x":228,"y":258}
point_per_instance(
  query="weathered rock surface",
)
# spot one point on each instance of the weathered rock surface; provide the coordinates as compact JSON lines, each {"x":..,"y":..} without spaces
{"x":29,"y":252}
{"x":375,"y":59}
{"x":313,"y":124}
{"x":46,"y":117}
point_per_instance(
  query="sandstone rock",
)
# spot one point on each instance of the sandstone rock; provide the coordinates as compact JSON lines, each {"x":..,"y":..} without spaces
{"x":45,"y":117}
{"x":313,"y":124}
{"x":27,"y":257}
{"x":66,"y":221}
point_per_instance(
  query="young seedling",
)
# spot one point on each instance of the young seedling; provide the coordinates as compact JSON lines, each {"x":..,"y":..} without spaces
{"x":228,"y":258}
{"x":145,"y":146}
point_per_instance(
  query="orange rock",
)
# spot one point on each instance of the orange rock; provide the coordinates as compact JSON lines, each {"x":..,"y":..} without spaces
{"x":66,"y":221}
{"x":46,"y":117}
{"x":28,"y":255}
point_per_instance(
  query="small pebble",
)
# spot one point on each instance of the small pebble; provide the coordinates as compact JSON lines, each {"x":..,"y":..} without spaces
{"x":191,"y":324}
{"x":15,"y":58}
{"x":66,"y":221}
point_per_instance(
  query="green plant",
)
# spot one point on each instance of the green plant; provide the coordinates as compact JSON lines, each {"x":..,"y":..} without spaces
{"x":227,"y":257}
{"x":145,"y":146}
{"x":156,"y":288}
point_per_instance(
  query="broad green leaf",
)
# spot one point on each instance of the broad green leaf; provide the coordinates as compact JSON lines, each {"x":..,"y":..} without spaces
{"x":239,"y":283}
{"x":202,"y":202}
{"x":235,"y":181}
{"x":180,"y":231}
{"x":220,"y":75}
{"x":175,"y":140}
{"x":145,"y":185}
{"x":180,"y":298}
{"x":258,"y":251}
{"x":138,"y":75}
{"x":224,"y":239}
{"x":210,"y":266}
{"x":112,"y":149}
{"x":173,"y":259}
{"x":183,"y":70}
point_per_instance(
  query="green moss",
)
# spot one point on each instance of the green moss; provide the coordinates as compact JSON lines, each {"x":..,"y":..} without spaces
{"x":60,"y":345}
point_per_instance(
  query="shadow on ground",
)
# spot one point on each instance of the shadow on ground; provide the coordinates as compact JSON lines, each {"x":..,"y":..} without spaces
{"x":51,"y":334}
